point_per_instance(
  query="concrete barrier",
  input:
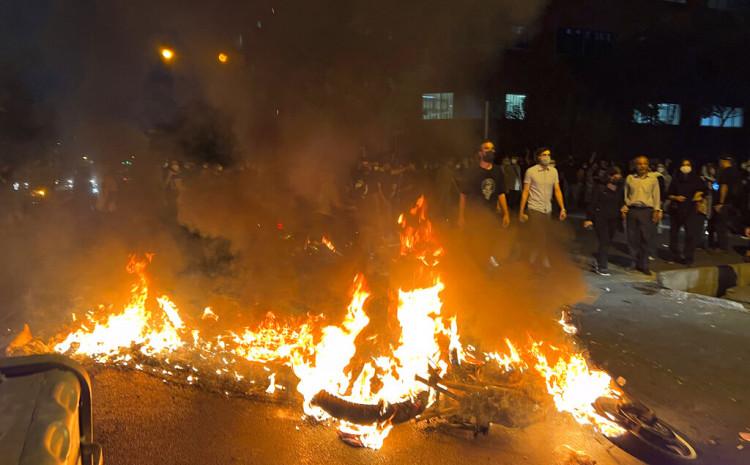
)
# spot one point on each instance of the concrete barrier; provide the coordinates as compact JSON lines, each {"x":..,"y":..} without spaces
{"x":709,"y":280}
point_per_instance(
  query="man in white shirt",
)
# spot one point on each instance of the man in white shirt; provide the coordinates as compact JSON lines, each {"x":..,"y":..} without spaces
{"x":540,"y":184}
{"x":642,"y":211}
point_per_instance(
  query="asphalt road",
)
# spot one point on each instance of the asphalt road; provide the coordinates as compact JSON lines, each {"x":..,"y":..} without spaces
{"x":142,"y":420}
{"x":686,"y":357}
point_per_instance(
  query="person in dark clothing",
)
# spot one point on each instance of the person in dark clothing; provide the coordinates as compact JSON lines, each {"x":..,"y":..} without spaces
{"x":603,"y":214}
{"x":482,"y":197}
{"x":729,"y":198}
{"x":686,"y":193}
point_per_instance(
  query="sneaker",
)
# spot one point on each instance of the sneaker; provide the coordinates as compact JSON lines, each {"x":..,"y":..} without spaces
{"x":602,"y":271}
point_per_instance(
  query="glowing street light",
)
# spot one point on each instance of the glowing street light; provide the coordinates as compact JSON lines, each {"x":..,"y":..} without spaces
{"x":167,"y":54}
{"x":223,"y":58}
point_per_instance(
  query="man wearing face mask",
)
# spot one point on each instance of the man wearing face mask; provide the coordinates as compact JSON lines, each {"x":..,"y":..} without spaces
{"x":540,"y":184}
{"x":603,"y":215}
{"x":481,"y":198}
{"x":642,"y":211}
{"x":726,"y":206}
{"x":686,"y":194}
{"x":483,"y":186}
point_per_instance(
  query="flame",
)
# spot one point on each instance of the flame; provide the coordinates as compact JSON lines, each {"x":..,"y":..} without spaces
{"x":575,"y":387}
{"x":155,"y":333}
{"x":333,"y":358}
{"x":223,"y":58}
{"x":327,"y":242}
{"x":209,"y":314}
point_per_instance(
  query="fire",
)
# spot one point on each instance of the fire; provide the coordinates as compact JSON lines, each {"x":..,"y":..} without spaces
{"x":155,"y":333}
{"x":223,"y":58}
{"x":575,"y":387}
{"x":331,"y":360}
{"x":327,"y":242}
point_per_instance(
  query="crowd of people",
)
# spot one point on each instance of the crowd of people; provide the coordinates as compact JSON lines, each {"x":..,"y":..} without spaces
{"x":704,"y":205}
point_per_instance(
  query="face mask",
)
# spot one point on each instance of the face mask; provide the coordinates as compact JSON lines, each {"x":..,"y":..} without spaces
{"x":514,"y":160}
{"x":544,"y":160}
{"x":660,"y":169}
{"x":686,"y":169}
{"x":488,"y":157}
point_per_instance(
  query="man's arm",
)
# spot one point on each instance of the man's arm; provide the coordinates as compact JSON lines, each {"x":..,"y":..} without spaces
{"x":625,"y":190}
{"x":723,"y":191}
{"x":502,"y":203}
{"x":560,"y":201}
{"x":524,"y":201}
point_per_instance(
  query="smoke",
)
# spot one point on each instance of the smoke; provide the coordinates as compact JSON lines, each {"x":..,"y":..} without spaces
{"x":308,"y":88}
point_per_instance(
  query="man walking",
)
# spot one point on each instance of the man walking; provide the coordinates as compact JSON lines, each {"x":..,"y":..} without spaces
{"x":482,"y":196}
{"x":642,"y":211}
{"x":540,"y":184}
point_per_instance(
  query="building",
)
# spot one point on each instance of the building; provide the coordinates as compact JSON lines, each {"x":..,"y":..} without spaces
{"x":662,"y":77}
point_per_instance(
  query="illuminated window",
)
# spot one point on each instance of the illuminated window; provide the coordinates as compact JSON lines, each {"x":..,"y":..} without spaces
{"x":437,"y":105}
{"x":657,"y":114}
{"x":728,"y":4}
{"x":515,"y":107}
{"x":723,"y":117}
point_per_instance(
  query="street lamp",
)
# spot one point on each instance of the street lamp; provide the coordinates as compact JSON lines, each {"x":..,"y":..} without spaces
{"x":167,"y":54}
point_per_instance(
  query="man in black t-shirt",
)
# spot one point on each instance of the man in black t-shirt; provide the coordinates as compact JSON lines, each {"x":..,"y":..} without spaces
{"x":730,"y":197}
{"x":483,"y":186}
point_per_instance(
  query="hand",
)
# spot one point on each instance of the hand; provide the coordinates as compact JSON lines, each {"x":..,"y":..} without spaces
{"x":624,"y":211}
{"x":563,"y":214}
{"x":718,"y":208}
{"x":588,"y":224}
{"x":656,"y":217}
{"x":522,"y":217}
{"x":680,"y":198}
{"x":506,"y":220}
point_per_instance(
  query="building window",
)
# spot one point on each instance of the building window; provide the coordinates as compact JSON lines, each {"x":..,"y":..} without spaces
{"x":728,"y":4}
{"x":437,"y":105}
{"x":723,"y":117}
{"x":657,"y":114}
{"x":583,"y":42}
{"x":515,"y":107}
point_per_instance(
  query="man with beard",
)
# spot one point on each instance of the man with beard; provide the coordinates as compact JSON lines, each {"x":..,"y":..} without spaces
{"x":603,"y":214}
{"x":482,"y":196}
{"x":686,"y":193}
{"x":642,"y":211}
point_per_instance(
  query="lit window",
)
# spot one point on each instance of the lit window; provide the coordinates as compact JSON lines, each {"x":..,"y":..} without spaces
{"x":728,"y":4}
{"x":437,"y":105}
{"x":514,"y":106}
{"x":657,"y":113}
{"x":723,"y":117}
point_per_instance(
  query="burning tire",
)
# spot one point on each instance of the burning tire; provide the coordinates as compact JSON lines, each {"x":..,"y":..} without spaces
{"x":368,"y":414}
{"x":654,"y":438}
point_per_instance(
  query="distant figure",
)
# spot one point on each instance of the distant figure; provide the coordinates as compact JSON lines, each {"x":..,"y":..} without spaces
{"x":513,"y":182}
{"x":642,"y":211}
{"x":726,"y":202}
{"x":541,"y":182}
{"x":687,"y":193}
{"x":603,"y":214}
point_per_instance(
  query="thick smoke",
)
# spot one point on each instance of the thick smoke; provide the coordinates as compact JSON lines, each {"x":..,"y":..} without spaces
{"x":309,"y":87}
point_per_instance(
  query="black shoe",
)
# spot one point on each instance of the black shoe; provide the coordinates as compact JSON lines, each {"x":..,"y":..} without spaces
{"x":645,"y":271}
{"x":602,"y":271}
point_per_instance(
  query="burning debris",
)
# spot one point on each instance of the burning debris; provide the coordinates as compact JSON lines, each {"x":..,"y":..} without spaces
{"x":425,"y":374}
